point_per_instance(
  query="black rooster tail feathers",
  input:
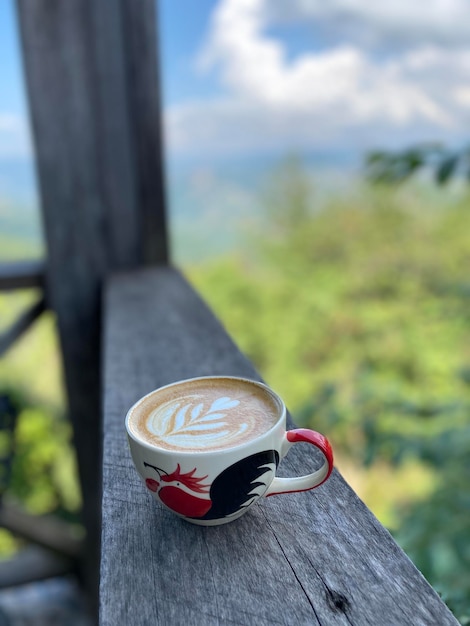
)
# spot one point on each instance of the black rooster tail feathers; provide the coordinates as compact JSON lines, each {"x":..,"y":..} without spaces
{"x":237,"y":485}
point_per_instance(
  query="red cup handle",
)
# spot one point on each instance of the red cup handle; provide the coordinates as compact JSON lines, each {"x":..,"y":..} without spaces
{"x":309,"y":481}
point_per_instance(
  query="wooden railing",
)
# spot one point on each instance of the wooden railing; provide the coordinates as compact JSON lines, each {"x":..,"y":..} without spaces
{"x":54,"y":548}
{"x":311,"y":558}
{"x":21,"y":275}
{"x":318,"y":557}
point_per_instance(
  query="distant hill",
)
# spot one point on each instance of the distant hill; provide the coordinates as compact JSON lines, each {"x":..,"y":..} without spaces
{"x":212,"y":202}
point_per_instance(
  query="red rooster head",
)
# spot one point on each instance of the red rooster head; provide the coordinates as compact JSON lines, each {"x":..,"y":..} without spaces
{"x":183,"y":493}
{"x":188,"y":480}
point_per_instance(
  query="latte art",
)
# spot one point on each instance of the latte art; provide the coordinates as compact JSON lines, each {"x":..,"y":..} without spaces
{"x":201,"y":415}
{"x":180,"y":423}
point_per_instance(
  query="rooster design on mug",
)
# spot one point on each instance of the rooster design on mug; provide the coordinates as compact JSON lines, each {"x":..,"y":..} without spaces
{"x":233,"y":489}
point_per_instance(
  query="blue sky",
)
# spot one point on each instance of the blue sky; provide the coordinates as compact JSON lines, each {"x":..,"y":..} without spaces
{"x":14,"y":140}
{"x":256,"y":77}
{"x":180,"y":40}
{"x":309,"y":75}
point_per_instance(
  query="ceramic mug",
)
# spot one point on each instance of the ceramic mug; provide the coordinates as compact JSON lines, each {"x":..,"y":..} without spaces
{"x":208,"y":448}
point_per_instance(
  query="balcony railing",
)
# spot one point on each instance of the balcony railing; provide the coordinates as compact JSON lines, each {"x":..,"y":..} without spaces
{"x":55,"y":550}
{"x":313,"y":558}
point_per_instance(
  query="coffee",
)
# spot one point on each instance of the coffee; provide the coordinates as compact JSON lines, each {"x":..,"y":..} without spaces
{"x":204,"y":414}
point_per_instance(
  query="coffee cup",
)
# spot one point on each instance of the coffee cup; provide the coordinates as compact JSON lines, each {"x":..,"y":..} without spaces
{"x":208,"y":448}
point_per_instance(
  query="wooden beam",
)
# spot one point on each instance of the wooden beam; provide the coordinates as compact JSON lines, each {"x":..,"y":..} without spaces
{"x":21,"y":275}
{"x":93,"y":92}
{"x":32,"y":564}
{"x":21,"y":325}
{"x":43,"y":530}
{"x":143,"y":92}
{"x":318,"y":557}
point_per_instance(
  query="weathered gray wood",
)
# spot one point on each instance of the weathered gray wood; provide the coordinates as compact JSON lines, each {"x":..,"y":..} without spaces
{"x":21,"y":325}
{"x":93,"y":97}
{"x":128,"y":112}
{"x":21,"y":275}
{"x":310,"y":558}
{"x":143,"y":92}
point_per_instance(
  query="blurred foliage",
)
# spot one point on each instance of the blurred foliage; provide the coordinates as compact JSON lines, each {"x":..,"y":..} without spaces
{"x":358,"y":315}
{"x":37,"y":460}
{"x":377,"y":425}
{"x":395,"y":167}
{"x":356,"y":310}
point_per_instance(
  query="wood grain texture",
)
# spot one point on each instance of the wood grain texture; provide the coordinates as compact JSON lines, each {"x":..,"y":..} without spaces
{"x":310,"y":558}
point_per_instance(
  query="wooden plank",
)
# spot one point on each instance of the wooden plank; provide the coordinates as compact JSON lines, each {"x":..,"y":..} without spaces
{"x":21,"y":325}
{"x":95,"y":121}
{"x":21,"y":275}
{"x":310,"y":558}
{"x":44,"y":530}
{"x":32,"y":564}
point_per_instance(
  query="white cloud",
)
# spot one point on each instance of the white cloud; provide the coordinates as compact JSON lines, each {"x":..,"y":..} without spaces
{"x":396,"y":24}
{"x":15,"y":141}
{"x":344,"y":96}
{"x":462,"y":96}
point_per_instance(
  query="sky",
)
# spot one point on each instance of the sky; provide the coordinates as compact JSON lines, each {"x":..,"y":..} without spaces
{"x":248,"y":78}
{"x":343,"y":75}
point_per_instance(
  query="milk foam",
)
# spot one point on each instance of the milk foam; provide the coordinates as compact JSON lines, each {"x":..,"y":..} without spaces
{"x":204,"y":415}
{"x":181,"y":424}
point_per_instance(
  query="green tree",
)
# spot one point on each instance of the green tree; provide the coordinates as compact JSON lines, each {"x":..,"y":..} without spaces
{"x":396,"y":167}
{"x":357,"y":313}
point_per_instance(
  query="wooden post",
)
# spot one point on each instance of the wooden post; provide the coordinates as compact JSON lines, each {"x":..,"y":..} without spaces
{"x":91,"y":73}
